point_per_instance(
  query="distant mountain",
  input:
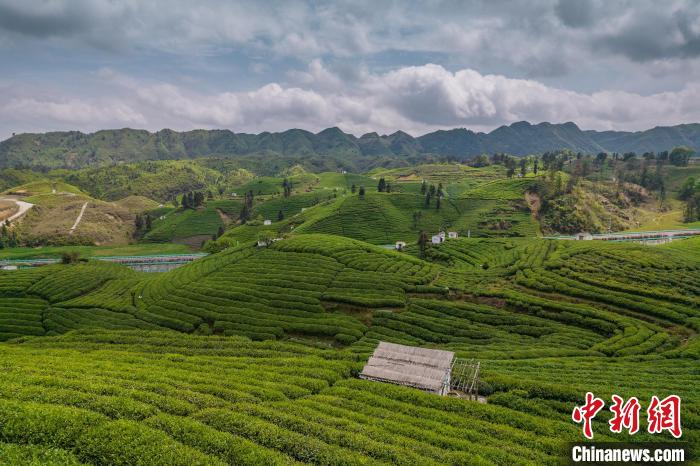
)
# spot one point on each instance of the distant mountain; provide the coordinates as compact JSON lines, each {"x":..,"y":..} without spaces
{"x":74,"y":149}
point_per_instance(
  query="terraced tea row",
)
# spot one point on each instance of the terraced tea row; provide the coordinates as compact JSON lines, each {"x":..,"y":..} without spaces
{"x":203,"y":406}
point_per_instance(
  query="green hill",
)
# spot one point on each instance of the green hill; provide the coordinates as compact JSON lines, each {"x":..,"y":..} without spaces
{"x":161,"y":180}
{"x":330,"y":148}
{"x":57,"y":206}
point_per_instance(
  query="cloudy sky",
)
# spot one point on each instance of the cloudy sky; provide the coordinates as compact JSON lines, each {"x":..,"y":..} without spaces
{"x":361,"y":65}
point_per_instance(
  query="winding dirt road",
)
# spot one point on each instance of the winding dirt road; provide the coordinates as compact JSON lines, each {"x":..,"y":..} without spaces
{"x":23,"y":208}
{"x":77,"y":220}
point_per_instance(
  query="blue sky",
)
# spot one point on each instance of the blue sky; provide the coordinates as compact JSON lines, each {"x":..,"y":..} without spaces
{"x":360,"y":65}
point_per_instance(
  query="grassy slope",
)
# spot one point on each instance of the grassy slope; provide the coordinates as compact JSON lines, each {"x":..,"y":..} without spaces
{"x":56,"y":208}
{"x":160,"y":180}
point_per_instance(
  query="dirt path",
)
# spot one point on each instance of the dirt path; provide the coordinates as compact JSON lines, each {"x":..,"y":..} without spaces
{"x":77,"y":220}
{"x":224,"y":217}
{"x":534,"y":203}
{"x":23,"y":208}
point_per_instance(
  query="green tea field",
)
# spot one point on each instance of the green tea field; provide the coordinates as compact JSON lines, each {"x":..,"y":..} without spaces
{"x":250,"y":355}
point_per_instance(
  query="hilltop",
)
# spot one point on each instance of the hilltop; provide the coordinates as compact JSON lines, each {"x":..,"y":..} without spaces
{"x":74,"y":149}
{"x":62,"y":214}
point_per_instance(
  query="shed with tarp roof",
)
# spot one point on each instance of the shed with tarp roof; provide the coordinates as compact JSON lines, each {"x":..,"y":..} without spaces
{"x":422,"y":368}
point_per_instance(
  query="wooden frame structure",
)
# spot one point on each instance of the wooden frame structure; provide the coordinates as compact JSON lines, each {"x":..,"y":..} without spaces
{"x":465,"y":377}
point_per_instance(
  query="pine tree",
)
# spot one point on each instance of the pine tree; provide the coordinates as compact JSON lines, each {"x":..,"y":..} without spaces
{"x":422,"y":242}
{"x":381,"y":187}
{"x":362,"y":191}
{"x":244,"y":216}
{"x":353,"y":189}
{"x":423,"y":187}
{"x":198,"y":199}
{"x":280,"y":216}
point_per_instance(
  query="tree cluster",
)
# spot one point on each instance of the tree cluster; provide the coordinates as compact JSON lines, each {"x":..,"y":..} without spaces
{"x":8,"y":237}
{"x":192,"y":199}
{"x":247,"y":210}
{"x":383,"y":186}
{"x":143,"y":224}
{"x":430,"y":192}
{"x":287,"y":187}
{"x":690,"y":194}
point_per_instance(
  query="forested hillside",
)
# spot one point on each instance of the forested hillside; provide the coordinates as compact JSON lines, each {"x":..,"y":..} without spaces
{"x":78,"y":150}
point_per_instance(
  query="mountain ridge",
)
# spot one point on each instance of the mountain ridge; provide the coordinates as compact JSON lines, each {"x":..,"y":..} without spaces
{"x":74,"y":149}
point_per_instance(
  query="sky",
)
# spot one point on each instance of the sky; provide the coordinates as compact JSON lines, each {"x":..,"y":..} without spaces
{"x":364,"y":66}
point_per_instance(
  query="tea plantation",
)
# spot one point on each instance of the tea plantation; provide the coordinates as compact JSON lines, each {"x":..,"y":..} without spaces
{"x":251,"y":355}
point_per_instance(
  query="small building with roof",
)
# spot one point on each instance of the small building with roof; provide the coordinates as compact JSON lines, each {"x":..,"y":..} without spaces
{"x":426,"y":369}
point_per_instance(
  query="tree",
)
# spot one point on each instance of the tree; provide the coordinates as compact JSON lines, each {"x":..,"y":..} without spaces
{"x":437,"y":204}
{"x":417,"y":215}
{"x":381,"y":186}
{"x":362,"y":191}
{"x":523,"y":167}
{"x":510,"y":164}
{"x":287,"y":187}
{"x":388,"y":187}
{"x":422,"y":242}
{"x":198,"y":199}
{"x":427,"y":199}
{"x":138,"y":222}
{"x":244,"y":216}
{"x":480,"y":161}
{"x":423,"y":187}
{"x":70,"y":257}
{"x":353,"y":189}
{"x":680,"y":156}
{"x":687,"y":190}
{"x":692,"y":208}
{"x":536,"y":165}
{"x":280,"y":216}
{"x":149,"y":222}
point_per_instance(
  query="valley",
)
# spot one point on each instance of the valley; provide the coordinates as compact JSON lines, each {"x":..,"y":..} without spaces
{"x":249,"y":351}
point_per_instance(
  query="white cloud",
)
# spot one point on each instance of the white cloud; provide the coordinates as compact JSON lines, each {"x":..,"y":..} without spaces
{"x":415,"y":99}
{"x":70,"y":112}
